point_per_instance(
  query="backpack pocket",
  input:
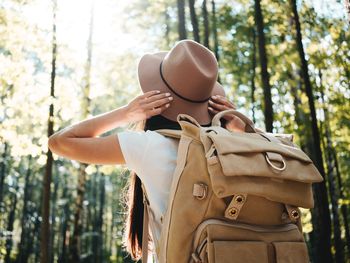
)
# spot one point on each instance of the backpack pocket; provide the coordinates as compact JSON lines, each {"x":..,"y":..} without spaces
{"x":219,"y":241}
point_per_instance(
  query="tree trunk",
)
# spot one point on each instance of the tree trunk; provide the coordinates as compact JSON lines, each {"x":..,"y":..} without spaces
{"x":339,"y":248}
{"x":181,"y":17}
{"x":321,"y":216}
{"x":100,"y":216}
{"x":215,"y":30}
{"x":53,"y":219}
{"x":75,"y":243}
{"x":253,"y":73}
{"x":343,"y":207}
{"x":167,"y":27}
{"x":23,"y":246}
{"x":259,"y":22}
{"x":206,"y":23}
{"x":45,"y":226}
{"x":194,"y":21}
{"x":3,"y":173}
{"x":11,"y":220}
{"x":64,"y":224}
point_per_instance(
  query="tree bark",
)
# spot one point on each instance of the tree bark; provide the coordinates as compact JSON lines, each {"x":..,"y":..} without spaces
{"x":75,"y":243}
{"x":3,"y":172}
{"x":11,"y":220}
{"x":339,"y":249}
{"x":194,"y":21}
{"x":181,"y":17}
{"x":215,"y":30}
{"x":205,"y":23}
{"x":23,"y":246}
{"x":343,"y":207}
{"x":45,"y":225}
{"x":320,"y":213}
{"x":53,"y":219}
{"x":253,"y":73}
{"x":268,"y":111}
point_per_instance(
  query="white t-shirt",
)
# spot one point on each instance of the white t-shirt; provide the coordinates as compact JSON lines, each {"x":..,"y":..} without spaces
{"x":153,"y":157}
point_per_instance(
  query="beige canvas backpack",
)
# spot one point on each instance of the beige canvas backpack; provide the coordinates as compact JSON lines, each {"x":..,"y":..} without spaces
{"x":234,"y":197}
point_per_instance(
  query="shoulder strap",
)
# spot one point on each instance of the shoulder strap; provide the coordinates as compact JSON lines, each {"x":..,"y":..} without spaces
{"x":145,"y":233}
{"x":170,"y":133}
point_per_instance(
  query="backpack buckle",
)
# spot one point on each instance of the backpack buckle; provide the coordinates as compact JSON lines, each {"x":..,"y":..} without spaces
{"x":200,"y":191}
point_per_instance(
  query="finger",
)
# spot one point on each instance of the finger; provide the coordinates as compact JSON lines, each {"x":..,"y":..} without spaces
{"x":158,"y":103}
{"x":149,"y":94}
{"x":157,"y":111}
{"x":223,"y":100}
{"x":211,"y":110}
{"x":155,"y":98}
{"x":219,"y":107}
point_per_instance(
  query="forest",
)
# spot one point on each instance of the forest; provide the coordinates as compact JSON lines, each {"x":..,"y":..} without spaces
{"x":284,"y":63}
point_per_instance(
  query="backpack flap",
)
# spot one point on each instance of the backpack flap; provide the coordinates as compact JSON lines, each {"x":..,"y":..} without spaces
{"x":249,"y":163}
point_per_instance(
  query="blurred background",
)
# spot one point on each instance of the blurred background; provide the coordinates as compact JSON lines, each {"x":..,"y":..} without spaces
{"x":285,"y":63}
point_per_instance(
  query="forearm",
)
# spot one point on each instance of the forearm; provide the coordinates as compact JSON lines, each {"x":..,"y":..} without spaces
{"x":96,"y":125}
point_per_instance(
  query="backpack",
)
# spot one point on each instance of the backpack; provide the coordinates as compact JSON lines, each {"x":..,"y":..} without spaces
{"x":234,"y":196}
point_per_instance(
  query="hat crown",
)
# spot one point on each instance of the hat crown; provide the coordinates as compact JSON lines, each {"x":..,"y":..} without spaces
{"x":190,"y":69}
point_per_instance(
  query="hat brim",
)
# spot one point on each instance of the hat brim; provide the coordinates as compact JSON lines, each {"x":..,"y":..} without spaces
{"x":149,"y":79}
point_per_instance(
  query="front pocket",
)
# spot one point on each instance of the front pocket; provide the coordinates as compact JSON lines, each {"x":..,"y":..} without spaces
{"x":291,"y":252}
{"x":240,"y":252}
{"x":219,"y":241}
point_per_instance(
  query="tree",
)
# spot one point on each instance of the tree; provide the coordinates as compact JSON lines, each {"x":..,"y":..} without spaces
{"x":194,"y":21}
{"x":45,"y":226}
{"x":75,"y":244}
{"x":205,"y":24}
{"x":259,"y":22}
{"x":321,"y":216}
{"x":181,"y":17}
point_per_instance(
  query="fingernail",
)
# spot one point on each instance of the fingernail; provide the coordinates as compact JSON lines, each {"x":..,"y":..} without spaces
{"x":167,"y":105}
{"x":170,"y":98}
{"x":158,"y":91}
{"x":214,"y":97}
{"x":167,"y":94}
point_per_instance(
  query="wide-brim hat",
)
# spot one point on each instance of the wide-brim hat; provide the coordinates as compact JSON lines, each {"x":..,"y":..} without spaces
{"x":188,"y":72}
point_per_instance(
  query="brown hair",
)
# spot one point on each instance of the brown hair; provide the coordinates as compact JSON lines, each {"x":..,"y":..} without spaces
{"x":134,"y":221}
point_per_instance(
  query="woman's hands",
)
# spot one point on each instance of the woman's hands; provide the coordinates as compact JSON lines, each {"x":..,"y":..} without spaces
{"x":147,"y":105}
{"x":219,"y":103}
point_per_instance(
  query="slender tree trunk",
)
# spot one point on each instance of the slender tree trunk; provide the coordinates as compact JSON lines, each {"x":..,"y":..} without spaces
{"x":206,"y":23}
{"x":22,"y":247}
{"x":100,"y":216}
{"x":11,"y":220}
{"x":194,"y":20}
{"x":53,"y":219}
{"x":45,"y":226}
{"x":3,"y":172}
{"x":320,"y":217}
{"x":182,"y":21}
{"x":339,"y":248}
{"x":268,"y":111}
{"x":75,"y":244}
{"x":215,"y":30}
{"x":343,"y":207}
{"x":64,"y":224}
{"x":253,"y":73}
{"x":167,"y":27}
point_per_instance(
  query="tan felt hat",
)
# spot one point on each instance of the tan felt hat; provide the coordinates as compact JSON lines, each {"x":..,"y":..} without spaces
{"x":189,"y":72}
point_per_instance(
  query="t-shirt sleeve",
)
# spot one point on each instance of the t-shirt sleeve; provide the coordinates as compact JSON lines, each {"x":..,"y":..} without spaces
{"x":133,"y":145}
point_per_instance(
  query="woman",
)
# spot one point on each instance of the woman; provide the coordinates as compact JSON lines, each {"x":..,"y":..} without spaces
{"x":182,"y":80}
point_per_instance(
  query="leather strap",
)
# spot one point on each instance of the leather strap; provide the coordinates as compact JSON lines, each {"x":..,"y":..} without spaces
{"x":235,"y":206}
{"x":145,"y":233}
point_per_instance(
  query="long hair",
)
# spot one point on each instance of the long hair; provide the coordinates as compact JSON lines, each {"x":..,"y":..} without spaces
{"x":134,"y":221}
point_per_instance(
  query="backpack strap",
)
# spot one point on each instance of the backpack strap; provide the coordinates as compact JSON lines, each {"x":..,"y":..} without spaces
{"x":176,"y":134}
{"x":145,"y":231}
